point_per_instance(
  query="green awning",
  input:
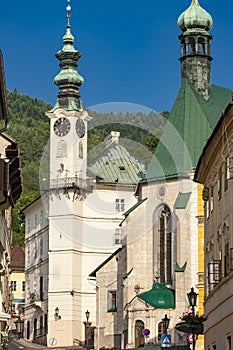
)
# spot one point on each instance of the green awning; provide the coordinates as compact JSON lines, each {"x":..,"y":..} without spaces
{"x":180,"y":268}
{"x":160,"y":297}
{"x":182,"y":200}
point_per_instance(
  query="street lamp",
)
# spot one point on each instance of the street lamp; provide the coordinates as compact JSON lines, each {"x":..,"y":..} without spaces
{"x":56,"y":314}
{"x":165,"y":321}
{"x":87,"y":313}
{"x":87,"y":324}
{"x":192,"y":297}
{"x":19,"y":327}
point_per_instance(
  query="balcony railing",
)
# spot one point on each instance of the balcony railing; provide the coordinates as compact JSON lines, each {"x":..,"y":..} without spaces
{"x":77,"y":185}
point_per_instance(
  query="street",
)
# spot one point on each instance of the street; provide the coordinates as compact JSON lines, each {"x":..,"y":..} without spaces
{"x":15,"y":346}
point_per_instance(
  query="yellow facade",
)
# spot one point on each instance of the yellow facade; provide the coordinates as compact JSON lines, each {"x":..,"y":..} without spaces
{"x":18,"y":295}
{"x":200,"y":286}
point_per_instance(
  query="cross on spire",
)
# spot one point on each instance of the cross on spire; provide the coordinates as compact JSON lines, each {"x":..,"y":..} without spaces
{"x":68,"y":8}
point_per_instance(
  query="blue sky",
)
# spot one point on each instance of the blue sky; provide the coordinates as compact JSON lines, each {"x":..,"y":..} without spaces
{"x":130,"y":48}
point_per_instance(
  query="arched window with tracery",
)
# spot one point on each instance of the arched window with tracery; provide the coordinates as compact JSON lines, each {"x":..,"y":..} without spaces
{"x":163,"y":245}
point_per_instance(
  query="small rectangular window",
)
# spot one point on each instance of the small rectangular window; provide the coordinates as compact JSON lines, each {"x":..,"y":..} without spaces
{"x":117,"y":204}
{"x":14,"y":286}
{"x":207,"y":209}
{"x":226,"y":173}
{"x":41,"y":247}
{"x":120,"y":204}
{"x":35,"y":221}
{"x":28,"y":225}
{"x":229,"y":342}
{"x":226,"y":259}
{"x":112,"y":301}
{"x":220,"y":183}
{"x":23,"y":286}
{"x":211,"y":199}
{"x":231,"y":258}
{"x":214,"y":272}
{"x":41,"y":216}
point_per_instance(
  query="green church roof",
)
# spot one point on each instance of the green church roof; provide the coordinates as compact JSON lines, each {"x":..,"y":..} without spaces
{"x":160,"y":297}
{"x":182,"y":200}
{"x":116,"y":165}
{"x":189,"y":126}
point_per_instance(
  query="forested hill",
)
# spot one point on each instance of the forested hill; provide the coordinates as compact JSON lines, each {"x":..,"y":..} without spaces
{"x":29,"y":126}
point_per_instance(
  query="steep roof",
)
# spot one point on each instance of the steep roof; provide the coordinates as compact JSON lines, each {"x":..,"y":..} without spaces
{"x":17,"y":258}
{"x":116,"y":165}
{"x":93,"y":273}
{"x":190,"y":124}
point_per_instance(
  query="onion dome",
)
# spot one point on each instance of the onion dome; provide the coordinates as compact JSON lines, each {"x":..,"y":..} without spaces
{"x":195,"y":17}
{"x":68,"y":57}
{"x":68,"y":79}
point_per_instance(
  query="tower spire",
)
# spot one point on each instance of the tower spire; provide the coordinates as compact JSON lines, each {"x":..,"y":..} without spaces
{"x":195,"y":58}
{"x":68,"y":8}
{"x":68,"y":79}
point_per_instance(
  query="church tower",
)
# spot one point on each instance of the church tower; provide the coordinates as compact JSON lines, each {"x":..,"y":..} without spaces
{"x":68,"y":188}
{"x":195,"y":58}
{"x":68,"y":119}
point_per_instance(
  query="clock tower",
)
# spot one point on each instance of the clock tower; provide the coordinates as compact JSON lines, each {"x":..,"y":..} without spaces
{"x":68,"y":187}
{"x":68,"y":134}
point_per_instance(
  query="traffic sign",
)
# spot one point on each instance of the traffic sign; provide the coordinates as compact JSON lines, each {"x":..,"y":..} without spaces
{"x":166,"y":340}
{"x":21,"y":316}
{"x":146,"y":332}
{"x":52,"y":341}
{"x":190,"y":338}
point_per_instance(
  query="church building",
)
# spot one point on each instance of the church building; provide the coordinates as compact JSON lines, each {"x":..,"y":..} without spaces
{"x":161,"y":258}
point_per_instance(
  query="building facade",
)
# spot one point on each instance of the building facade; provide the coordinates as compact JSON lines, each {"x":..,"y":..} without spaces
{"x":17,"y":280}
{"x":36,"y":271}
{"x":10,"y":190}
{"x":215,"y":172}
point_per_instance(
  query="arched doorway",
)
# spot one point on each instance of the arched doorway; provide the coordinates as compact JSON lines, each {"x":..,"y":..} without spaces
{"x":139,"y":337}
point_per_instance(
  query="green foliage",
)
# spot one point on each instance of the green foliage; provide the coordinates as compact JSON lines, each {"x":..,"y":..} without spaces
{"x":29,"y":126}
{"x":18,"y":225}
{"x":139,"y":132}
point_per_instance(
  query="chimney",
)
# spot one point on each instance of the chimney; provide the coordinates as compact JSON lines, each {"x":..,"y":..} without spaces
{"x":112,"y":138}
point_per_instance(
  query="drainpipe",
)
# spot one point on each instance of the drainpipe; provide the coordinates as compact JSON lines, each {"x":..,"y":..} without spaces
{"x":91,"y":281}
{"x":5,"y":127}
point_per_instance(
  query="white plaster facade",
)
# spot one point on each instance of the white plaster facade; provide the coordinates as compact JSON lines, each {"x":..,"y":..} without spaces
{"x":80,"y":234}
{"x":36,"y":270}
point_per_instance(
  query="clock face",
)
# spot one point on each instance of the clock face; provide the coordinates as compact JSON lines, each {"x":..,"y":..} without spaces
{"x":61,"y":126}
{"x":80,"y":128}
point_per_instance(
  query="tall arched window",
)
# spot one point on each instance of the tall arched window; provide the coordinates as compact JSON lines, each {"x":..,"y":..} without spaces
{"x":163,"y":244}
